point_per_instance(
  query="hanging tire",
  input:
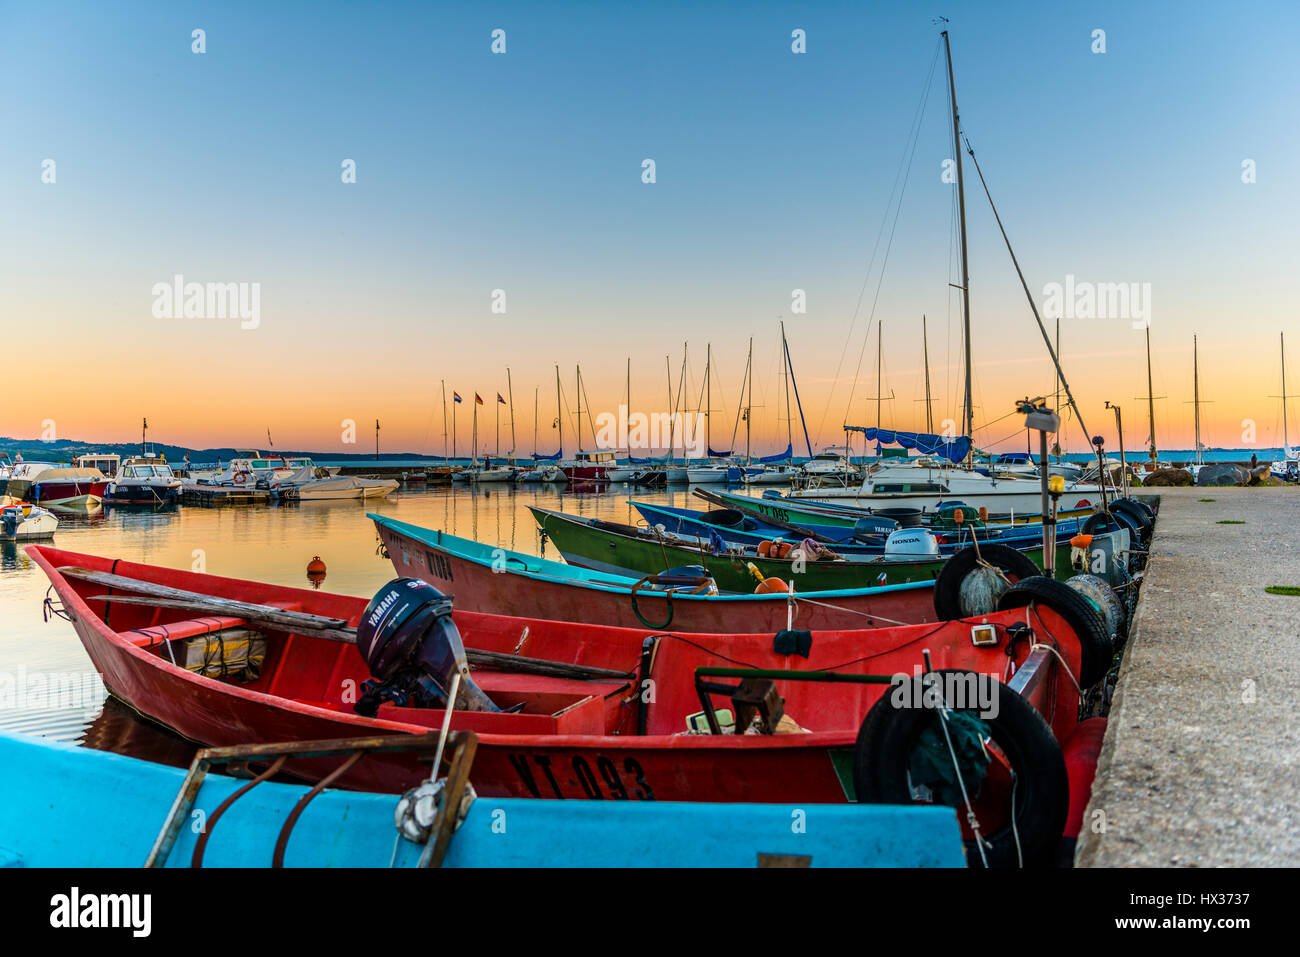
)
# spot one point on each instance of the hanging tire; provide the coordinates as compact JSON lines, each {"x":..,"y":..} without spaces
{"x":958,"y":592}
{"x":1095,"y":645}
{"x":889,"y":734}
{"x":1098,"y":523}
{"x":1143,"y":521}
{"x":1108,"y":604}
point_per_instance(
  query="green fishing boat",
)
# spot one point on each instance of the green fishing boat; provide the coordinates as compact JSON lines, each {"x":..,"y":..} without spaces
{"x":626,"y":550}
{"x":796,"y":511}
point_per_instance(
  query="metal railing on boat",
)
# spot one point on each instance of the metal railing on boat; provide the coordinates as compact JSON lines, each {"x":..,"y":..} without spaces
{"x":460,"y":748}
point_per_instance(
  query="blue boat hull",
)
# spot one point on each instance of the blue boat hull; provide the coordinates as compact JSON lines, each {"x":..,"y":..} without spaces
{"x":63,"y":806}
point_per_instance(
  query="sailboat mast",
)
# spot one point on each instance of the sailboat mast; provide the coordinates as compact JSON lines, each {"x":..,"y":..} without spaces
{"x":537,"y":398}
{"x":444,"y":420}
{"x":559,"y":409}
{"x":749,"y":405}
{"x":1056,"y":389}
{"x":510,"y":394}
{"x":880,"y":350}
{"x":672,"y":426}
{"x":1286,"y":444}
{"x":1196,"y":397}
{"x":579,"y":401}
{"x":925,"y":349}
{"x":1151,"y":400}
{"x":629,"y":404}
{"x":961,"y":209}
{"x":789,"y":422}
{"x":708,"y":400}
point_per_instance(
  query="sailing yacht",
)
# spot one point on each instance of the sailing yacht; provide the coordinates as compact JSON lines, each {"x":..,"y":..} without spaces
{"x":924,"y":483}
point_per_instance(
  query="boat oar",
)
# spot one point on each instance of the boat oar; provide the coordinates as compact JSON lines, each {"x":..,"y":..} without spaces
{"x":316,"y":626}
{"x":718,"y":500}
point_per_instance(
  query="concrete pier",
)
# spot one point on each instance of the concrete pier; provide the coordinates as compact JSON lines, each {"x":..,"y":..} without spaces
{"x":1201,"y":761}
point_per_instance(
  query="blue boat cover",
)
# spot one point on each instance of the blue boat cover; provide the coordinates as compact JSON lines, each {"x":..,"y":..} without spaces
{"x":780,"y":456}
{"x":713,"y":453}
{"x":954,"y":451}
{"x":650,"y":461}
{"x":548,"y":458}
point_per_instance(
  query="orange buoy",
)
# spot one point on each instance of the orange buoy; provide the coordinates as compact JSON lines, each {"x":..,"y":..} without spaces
{"x":771,"y":585}
{"x":958,"y":516}
{"x":764,"y":548}
{"x":316,"y":571}
{"x":1081,"y":541}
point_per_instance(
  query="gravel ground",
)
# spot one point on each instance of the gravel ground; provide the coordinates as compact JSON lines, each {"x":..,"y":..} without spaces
{"x":1201,"y":762}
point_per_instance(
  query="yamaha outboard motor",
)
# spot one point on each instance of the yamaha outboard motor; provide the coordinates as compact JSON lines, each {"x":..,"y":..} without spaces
{"x":873,"y":529}
{"x":413,"y":649}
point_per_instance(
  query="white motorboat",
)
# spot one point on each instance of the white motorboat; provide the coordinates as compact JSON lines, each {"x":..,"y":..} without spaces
{"x":492,"y":473}
{"x":249,"y":467}
{"x":831,"y":467}
{"x":927,"y":487}
{"x":23,"y":521}
{"x":712,"y":474}
{"x":143,"y":480}
{"x":314,"y":483}
{"x":771,"y":474}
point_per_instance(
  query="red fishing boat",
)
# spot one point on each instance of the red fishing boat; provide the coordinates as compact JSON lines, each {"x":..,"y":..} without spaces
{"x":566,"y":710}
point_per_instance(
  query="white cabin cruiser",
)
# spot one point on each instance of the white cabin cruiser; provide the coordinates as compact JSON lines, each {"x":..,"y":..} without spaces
{"x":142,"y":480}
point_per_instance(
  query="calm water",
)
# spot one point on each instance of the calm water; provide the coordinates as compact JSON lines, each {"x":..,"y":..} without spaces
{"x":271,"y":544}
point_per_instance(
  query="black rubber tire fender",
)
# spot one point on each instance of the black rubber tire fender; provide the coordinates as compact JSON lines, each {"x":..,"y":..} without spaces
{"x":1095,"y":646}
{"x":947,"y":587}
{"x":1099,"y":523}
{"x":883,"y":751}
{"x":1138,"y":512}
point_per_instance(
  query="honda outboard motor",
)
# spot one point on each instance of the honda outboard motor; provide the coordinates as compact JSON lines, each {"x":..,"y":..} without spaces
{"x":413,"y":649}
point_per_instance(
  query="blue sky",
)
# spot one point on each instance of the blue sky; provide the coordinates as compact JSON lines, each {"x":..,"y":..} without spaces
{"x":522,"y":171}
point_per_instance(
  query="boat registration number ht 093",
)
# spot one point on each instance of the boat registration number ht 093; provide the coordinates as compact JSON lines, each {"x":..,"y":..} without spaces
{"x":574,"y":777}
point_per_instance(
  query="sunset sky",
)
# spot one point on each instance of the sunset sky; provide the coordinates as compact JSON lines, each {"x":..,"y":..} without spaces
{"x":522,"y":171}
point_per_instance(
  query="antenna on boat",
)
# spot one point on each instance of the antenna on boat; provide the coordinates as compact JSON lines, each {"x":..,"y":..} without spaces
{"x":268,"y":438}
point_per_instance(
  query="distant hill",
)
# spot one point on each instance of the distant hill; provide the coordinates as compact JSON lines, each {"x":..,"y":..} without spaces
{"x":67,"y":450}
